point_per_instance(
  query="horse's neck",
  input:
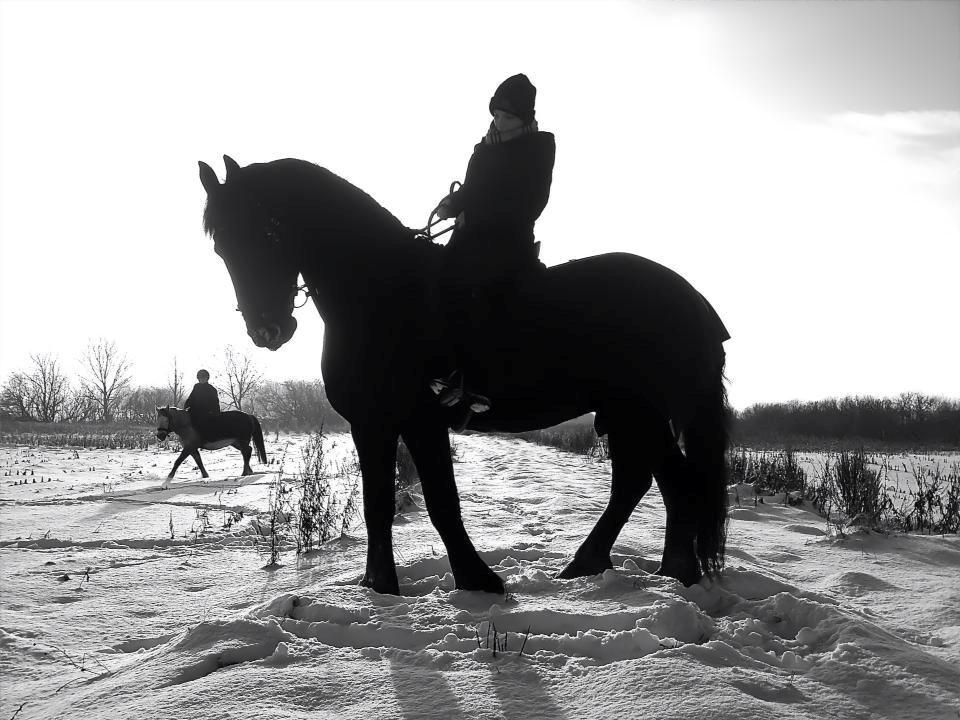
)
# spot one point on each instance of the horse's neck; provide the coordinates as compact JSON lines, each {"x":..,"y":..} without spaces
{"x":358,"y":271}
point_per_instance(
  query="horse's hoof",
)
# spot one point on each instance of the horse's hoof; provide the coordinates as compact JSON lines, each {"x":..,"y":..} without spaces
{"x":489,"y":583}
{"x":579,"y":567}
{"x":384,"y":587}
{"x":684,"y":573}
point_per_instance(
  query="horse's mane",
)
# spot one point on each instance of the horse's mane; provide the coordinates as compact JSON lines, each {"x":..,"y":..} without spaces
{"x":302,"y":194}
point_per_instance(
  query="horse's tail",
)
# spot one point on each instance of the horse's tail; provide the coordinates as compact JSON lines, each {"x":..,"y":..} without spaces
{"x":705,"y":442}
{"x":258,"y":440}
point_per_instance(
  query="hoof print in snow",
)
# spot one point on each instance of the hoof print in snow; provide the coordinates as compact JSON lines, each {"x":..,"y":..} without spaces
{"x":218,"y":661}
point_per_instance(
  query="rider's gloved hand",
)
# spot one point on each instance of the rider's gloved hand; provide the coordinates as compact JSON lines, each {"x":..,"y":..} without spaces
{"x":443,"y":209}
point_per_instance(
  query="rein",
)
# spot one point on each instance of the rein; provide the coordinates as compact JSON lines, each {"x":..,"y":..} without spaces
{"x":426,"y":232}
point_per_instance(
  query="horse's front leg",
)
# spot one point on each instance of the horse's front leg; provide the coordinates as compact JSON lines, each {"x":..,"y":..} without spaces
{"x":176,"y":463}
{"x":429,"y":445}
{"x":377,"y":452}
{"x":199,"y":462}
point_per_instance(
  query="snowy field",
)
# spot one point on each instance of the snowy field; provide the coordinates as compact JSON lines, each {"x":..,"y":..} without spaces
{"x":124,"y":597}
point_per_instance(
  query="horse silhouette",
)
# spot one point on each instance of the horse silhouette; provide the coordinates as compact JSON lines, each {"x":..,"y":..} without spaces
{"x":616,"y":334}
{"x":235,"y":429}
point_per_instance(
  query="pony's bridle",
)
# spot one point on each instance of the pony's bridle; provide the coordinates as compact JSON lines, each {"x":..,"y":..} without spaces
{"x":162,"y":431}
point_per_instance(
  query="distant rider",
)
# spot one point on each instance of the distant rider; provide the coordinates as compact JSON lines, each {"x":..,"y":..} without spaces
{"x":203,"y":404}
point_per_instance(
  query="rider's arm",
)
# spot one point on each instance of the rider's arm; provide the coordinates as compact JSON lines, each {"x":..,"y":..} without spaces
{"x":456,"y":202}
{"x":510,"y":184}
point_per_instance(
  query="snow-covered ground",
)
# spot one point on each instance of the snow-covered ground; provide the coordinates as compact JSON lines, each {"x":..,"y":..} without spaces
{"x":124,"y":597}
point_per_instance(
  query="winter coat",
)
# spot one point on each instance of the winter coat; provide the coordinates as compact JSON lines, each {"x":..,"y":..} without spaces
{"x":203,"y":400}
{"x":505,"y":189}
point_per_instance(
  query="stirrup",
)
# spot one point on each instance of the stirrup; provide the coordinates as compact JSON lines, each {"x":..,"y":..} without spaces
{"x":449,"y":392}
{"x":478,"y":403}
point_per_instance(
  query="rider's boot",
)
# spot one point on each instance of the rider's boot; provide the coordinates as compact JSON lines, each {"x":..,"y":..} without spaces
{"x":452,"y":391}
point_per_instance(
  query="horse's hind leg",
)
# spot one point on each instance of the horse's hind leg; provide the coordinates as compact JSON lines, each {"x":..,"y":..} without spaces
{"x":675,"y":483}
{"x":634,"y":454}
{"x":247,"y":453}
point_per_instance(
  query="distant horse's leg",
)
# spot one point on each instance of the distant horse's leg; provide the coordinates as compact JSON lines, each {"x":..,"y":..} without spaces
{"x":377,"y":452}
{"x":632,"y":453}
{"x":199,"y":462}
{"x":176,"y":463}
{"x":675,"y":483}
{"x":429,"y":446}
{"x":247,"y":452}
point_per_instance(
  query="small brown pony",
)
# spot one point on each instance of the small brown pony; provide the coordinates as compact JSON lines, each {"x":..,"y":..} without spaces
{"x":236,"y":429}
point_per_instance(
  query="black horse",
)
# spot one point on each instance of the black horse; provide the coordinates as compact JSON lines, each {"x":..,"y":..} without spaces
{"x":616,"y":334}
{"x":235,"y":428}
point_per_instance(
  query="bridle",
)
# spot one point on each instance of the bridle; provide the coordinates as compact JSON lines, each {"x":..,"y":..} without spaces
{"x":272,"y":234}
{"x":163,"y":432}
{"x":307,"y":294}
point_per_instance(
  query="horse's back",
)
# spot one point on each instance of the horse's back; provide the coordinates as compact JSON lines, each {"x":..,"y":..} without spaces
{"x":608,"y":328}
{"x":627,"y":295}
{"x":227,"y":425}
{"x":235,"y":421}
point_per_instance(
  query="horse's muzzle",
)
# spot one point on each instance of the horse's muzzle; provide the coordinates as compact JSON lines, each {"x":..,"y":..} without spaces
{"x":161,"y":435}
{"x":273,"y":334}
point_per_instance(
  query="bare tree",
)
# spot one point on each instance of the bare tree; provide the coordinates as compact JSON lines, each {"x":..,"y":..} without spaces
{"x":15,"y":396}
{"x":78,"y":407}
{"x":243,"y":377}
{"x":48,"y":387}
{"x":142,"y":403}
{"x":107,"y":380}
{"x":298,"y":404}
{"x":176,"y":387}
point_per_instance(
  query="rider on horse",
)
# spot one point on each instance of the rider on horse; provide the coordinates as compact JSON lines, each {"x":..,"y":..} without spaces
{"x":506,"y":187}
{"x":203,"y":404}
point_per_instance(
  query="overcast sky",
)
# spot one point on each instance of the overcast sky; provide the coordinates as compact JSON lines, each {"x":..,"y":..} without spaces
{"x":798,"y":162}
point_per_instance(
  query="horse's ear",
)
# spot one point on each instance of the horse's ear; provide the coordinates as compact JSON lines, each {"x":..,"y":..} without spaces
{"x":209,"y":178}
{"x":232,"y":166}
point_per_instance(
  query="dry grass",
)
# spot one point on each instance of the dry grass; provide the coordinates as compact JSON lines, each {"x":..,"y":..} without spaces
{"x":311,"y":507}
{"x":848,"y":491}
{"x":770,"y":472}
{"x":107,"y":436}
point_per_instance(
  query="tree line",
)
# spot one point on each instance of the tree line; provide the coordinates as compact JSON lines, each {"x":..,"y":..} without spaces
{"x":910,"y":418}
{"x":104,"y":392}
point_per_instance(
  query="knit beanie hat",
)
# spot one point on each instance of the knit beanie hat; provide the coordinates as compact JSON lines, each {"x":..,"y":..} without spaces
{"x":516,"y":95}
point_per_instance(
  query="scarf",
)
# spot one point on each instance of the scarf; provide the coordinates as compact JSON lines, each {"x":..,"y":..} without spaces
{"x":495,"y":137}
